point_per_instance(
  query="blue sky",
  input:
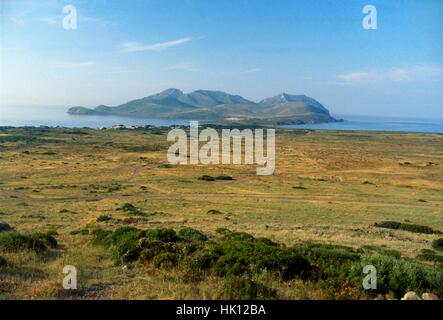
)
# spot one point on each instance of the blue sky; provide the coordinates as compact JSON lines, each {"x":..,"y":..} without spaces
{"x":124,"y":50}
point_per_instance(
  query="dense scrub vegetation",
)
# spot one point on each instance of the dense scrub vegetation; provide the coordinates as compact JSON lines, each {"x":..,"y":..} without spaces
{"x":3,"y":262}
{"x":239,"y":259}
{"x":430,"y":255}
{"x":211,"y":178}
{"x":407,"y":227}
{"x":131,"y":210}
{"x":438,"y":244}
{"x":38,"y":242}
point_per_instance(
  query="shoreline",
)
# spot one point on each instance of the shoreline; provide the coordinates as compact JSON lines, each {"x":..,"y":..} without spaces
{"x":143,"y":127}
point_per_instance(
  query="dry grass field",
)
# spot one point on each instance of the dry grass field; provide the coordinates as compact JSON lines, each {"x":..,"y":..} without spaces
{"x":328,"y":187}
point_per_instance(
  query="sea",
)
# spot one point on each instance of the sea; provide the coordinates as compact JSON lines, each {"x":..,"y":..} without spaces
{"x":53,"y":116}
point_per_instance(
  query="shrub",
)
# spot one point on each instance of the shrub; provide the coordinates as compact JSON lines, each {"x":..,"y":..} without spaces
{"x":166,"y":165}
{"x":388,"y":224}
{"x":191,"y":234}
{"x":113,"y":238}
{"x":210,"y":178}
{"x":150,"y":248}
{"x":47,"y":238}
{"x":125,"y":247}
{"x":130,"y":244}
{"x":417,"y":228}
{"x":438,"y":244}
{"x":406,"y":227}
{"x":201,"y":260}
{"x":241,"y":252}
{"x":228,"y":178}
{"x":38,"y":242}
{"x":430,"y":255}
{"x":166,"y":260}
{"x":5,"y":227}
{"x":206,"y":178}
{"x":214,"y":211}
{"x":244,"y":288}
{"x":400,"y":276}
{"x":132,"y":210}
{"x":3,"y":262}
{"x":330,"y":262}
{"x":100,"y":235}
{"x":162,"y":234}
{"x":383,"y":251}
{"x":103,"y":218}
{"x":222,"y":230}
{"x":83,"y":232}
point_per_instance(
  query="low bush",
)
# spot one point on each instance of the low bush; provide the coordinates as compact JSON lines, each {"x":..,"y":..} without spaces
{"x":406,"y":227}
{"x":191,"y":234}
{"x":331,"y":263}
{"x":399,"y":276}
{"x":417,"y":228}
{"x":383,"y":251}
{"x":166,"y":260}
{"x":227,"y":178}
{"x":222,"y":230}
{"x":206,"y":178}
{"x":438,"y":244}
{"x":3,"y":262}
{"x":430,"y":255}
{"x":132,"y":210}
{"x":162,"y":234}
{"x":238,"y":257}
{"x":241,"y":252}
{"x":103,"y":218}
{"x":38,"y":242}
{"x":201,"y":260}
{"x":244,"y":288}
{"x":214,"y":211}
{"x":388,"y":224}
{"x":166,"y":165}
{"x":83,"y":232}
{"x":210,"y":178}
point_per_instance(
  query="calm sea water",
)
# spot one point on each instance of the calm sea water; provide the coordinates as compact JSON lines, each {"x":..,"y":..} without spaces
{"x":19,"y":116}
{"x":367,"y":123}
{"x":56,"y":116}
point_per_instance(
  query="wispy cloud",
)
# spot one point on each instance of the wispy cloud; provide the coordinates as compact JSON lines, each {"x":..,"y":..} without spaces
{"x":396,"y":75}
{"x":73,"y":65}
{"x":138,"y":46}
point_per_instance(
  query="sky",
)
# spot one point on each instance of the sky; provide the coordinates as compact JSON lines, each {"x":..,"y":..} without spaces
{"x":125,"y":50}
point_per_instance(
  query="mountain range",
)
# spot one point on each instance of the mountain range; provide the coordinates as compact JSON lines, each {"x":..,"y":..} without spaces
{"x":206,"y":105}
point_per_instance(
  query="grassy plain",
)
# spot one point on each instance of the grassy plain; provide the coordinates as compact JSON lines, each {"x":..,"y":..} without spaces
{"x":328,"y":187}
